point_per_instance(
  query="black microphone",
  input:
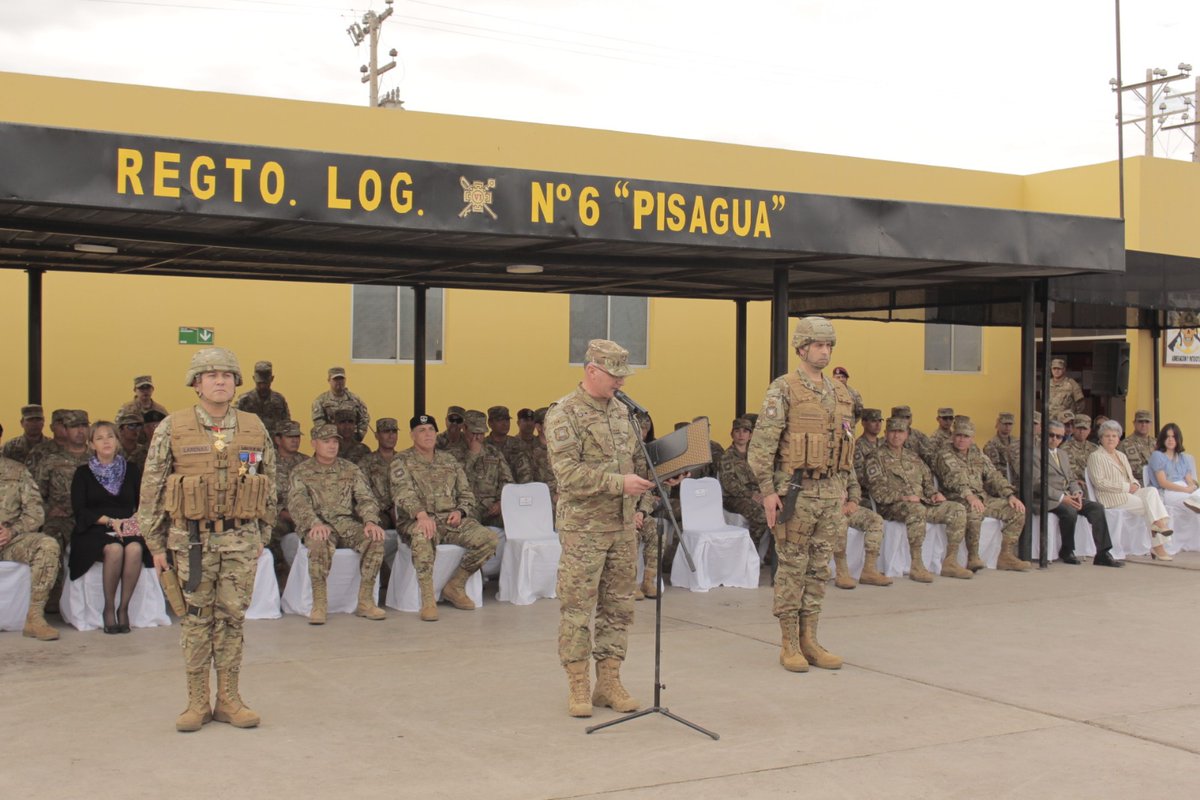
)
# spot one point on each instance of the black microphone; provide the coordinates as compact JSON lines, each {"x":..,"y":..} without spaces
{"x":630,"y":403}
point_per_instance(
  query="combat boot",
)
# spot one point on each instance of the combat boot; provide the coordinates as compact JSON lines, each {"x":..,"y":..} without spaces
{"x":609,"y":692}
{"x":36,"y":626}
{"x":917,"y":570}
{"x":366,"y":602}
{"x":1008,"y":557}
{"x":455,"y":591}
{"x":650,"y":581}
{"x":428,"y":600}
{"x":811,"y":649}
{"x":579,"y":698}
{"x":871,"y":576}
{"x":844,"y":579}
{"x":951,"y":568}
{"x":230,"y":707}
{"x":974,"y":562}
{"x":198,"y":712}
{"x":790,"y":656}
{"x":320,"y":603}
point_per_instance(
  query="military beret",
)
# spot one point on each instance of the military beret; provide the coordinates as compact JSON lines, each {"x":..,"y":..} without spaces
{"x":841,"y":371}
{"x":345,"y":415}
{"x":476,"y":422}
{"x":609,"y":356}
{"x":386,"y":425}
{"x":75,"y":417}
{"x":1142,"y":415}
{"x":337,"y":372}
{"x":1006,"y":418}
{"x":872,"y":415}
{"x":963,"y":427}
{"x":128,"y":418}
{"x":742,"y":424}
{"x":525,"y":413}
{"x":263,"y":371}
{"x":895,"y":423}
{"x":153,"y":415}
{"x":902,"y":411}
{"x":32,"y":412}
{"x":1058,"y":362}
{"x":498,"y":412}
{"x":1082,"y":421}
{"x":326,"y":430}
{"x":287,"y":427}
{"x":422,"y":419}
{"x":945,"y":411}
{"x":143,"y":380}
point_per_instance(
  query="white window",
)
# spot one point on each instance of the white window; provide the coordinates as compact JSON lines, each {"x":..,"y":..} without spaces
{"x":953,"y":348}
{"x":624,"y":320}
{"x":381,"y":322}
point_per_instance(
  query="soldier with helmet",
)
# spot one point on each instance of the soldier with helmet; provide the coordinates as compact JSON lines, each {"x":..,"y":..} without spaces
{"x":802,"y":454}
{"x":208,"y":497}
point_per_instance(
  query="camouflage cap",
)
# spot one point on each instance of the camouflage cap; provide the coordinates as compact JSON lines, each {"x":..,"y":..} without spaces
{"x":608,"y":356}
{"x":525,"y":413}
{"x":539,"y":416}
{"x":963,"y":427}
{"x":872,"y":415}
{"x":498,"y":412}
{"x":1058,"y":362}
{"x":422,"y":419}
{"x":345,"y":415}
{"x":476,"y":422}
{"x":752,"y":417}
{"x":386,"y":425}
{"x":287,"y":427}
{"x":263,"y":371}
{"x":945,"y":411}
{"x":1065,"y":417}
{"x":143,"y":380}
{"x":1006,"y":418}
{"x":32,"y":412}
{"x":902,"y":411}
{"x":895,"y":423}
{"x":337,"y":372}
{"x":1142,"y":415}
{"x":1082,"y":421}
{"x":326,"y":430}
{"x":128,"y":418}
{"x":75,"y":417}
{"x":213,"y":359}
{"x":57,"y":415}
{"x":455,"y":410}
{"x":742,"y":424}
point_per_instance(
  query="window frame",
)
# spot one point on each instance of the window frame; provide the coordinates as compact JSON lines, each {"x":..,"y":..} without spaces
{"x":397,"y":360}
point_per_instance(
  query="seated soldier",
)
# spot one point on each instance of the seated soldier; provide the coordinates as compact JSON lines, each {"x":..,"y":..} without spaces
{"x":21,"y":515}
{"x":377,"y":466}
{"x":333,"y":507}
{"x":287,"y":445}
{"x":486,"y":468}
{"x":864,"y":519}
{"x":739,"y":489}
{"x":434,"y":505}
{"x":903,"y":489}
{"x":129,"y":430}
{"x":970,"y":478}
{"x":1077,"y":447}
{"x":32,"y":422}
{"x":452,"y":437}
{"x":1004,"y":450}
{"x":349,"y":448}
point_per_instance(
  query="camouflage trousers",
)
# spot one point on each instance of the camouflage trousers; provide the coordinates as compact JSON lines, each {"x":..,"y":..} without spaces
{"x":59,"y":529}
{"x":804,"y":545}
{"x":596,"y":573}
{"x":915,"y":515}
{"x":478,"y":541}
{"x":867,"y":521}
{"x":280,"y":529}
{"x":42,"y":554}
{"x":212,"y":628}
{"x":756,"y":517}
{"x":347,"y":534}
{"x":1012,"y":521}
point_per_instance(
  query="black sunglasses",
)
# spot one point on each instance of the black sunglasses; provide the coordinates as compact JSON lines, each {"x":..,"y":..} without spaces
{"x":454,"y":419}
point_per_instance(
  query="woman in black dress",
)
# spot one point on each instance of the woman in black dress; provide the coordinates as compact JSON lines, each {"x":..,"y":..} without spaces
{"x":104,"y":496}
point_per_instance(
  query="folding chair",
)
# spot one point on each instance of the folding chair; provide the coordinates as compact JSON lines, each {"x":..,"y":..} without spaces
{"x":529,"y":569}
{"x":724,"y":554}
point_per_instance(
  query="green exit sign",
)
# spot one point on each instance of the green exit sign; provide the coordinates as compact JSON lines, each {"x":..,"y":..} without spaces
{"x":196,"y":335}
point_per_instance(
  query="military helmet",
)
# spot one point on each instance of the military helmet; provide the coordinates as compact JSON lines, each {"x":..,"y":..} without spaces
{"x":214,"y":359}
{"x":813,"y":329}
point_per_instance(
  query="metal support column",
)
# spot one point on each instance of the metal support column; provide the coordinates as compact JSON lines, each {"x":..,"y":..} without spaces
{"x":1043,"y":442}
{"x":1028,"y":362}
{"x":1156,"y":358}
{"x":739,"y":359}
{"x":419,"y":350}
{"x":779,"y":324}
{"x":34,"y":336}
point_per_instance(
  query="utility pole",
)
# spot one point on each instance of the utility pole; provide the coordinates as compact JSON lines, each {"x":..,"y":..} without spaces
{"x":369,"y":30}
{"x":1189,"y":101}
{"x":1156,"y":95}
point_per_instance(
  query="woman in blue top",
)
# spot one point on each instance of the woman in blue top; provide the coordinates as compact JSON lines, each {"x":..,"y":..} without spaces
{"x":1173,"y":471}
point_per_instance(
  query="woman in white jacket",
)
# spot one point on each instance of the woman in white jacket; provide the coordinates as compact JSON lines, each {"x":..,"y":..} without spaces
{"x":1111,"y":476}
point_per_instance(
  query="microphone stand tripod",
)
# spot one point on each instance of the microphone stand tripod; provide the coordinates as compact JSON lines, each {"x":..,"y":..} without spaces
{"x":658,"y":707}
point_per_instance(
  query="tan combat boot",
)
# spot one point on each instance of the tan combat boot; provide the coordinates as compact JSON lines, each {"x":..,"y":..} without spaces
{"x":871,"y":576}
{"x":844,"y":579}
{"x":917,"y":570}
{"x":974,"y":562}
{"x":455,"y":590}
{"x":1008,"y":557}
{"x":790,"y":656}
{"x":649,"y":585}
{"x":609,"y":692}
{"x":320,"y":603}
{"x":428,"y":600}
{"x":579,"y":698}
{"x":230,"y":707}
{"x":36,"y":626}
{"x":811,"y":649}
{"x":198,"y":712}
{"x":366,"y":603}
{"x":951,"y":568}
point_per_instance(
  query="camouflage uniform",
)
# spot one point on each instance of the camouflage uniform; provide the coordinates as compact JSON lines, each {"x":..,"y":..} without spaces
{"x":972,"y":474}
{"x":377,"y":470}
{"x":18,"y":447}
{"x":488,"y":472}
{"x":326,"y":405}
{"x":871,"y":524}
{"x":514,"y":453}
{"x":738,"y":488}
{"x":1078,"y":451}
{"x":1005,"y":454}
{"x":271,"y":411}
{"x":938,"y":441}
{"x":21,"y":513}
{"x":354,"y":452}
{"x":134,"y":407}
{"x":39,"y":453}
{"x":1137,"y":449}
{"x":1065,"y":395}
{"x":54,"y":475}
{"x":283,"y":476}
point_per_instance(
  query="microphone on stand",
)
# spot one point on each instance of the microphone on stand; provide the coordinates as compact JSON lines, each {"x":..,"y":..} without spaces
{"x":630,"y":403}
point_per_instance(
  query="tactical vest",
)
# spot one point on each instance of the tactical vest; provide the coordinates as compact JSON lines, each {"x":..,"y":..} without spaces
{"x":216,"y":484}
{"x":815,"y":442}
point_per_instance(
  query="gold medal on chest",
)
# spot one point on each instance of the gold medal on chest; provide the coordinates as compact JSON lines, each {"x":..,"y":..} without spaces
{"x":220,"y":444}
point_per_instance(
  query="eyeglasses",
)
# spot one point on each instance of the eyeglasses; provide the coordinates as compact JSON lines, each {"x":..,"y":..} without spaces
{"x":947,"y":416}
{"x":1054,"y":436}
{"x":454,"y":419}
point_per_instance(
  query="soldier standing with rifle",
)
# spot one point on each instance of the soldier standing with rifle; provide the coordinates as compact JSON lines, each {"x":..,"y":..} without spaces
{"x":802,"y":451}
{"x":210,"y":469}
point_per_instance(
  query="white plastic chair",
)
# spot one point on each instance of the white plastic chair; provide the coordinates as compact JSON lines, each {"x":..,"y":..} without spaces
{"x":341,"y":585}
{"x":82,"y":602}
{"x":896,"y":556}
{"x":529,"y":569}
{"x":1127,"y":527}
{"x":404,"y":593}
{"x":724,"y":554}
{"x":264,"y":602}
{"x":15,"y":580}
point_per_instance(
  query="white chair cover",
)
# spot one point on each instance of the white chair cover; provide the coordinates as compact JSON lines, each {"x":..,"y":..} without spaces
{"x":264,"y":602}
{"x":341,"y":585}
{"x":82,"y":602}
{"x":990,"y":540}
{"x":529,"y":569}
{"x":1128,"y":528}
{"x":1184,"y":521}
{"x":855,"y":555}
{"x":724,"y":554}
{"x":15,"y":580}
{"x":1054,"y":537}
{"x":404,"y":594}
{"x":895,"y":553}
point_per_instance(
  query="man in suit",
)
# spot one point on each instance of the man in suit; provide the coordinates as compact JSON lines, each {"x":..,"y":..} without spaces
{"x":1067,"y":501}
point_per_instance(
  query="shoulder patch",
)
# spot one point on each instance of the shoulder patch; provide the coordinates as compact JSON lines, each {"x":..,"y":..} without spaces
{"x":561,"y":434}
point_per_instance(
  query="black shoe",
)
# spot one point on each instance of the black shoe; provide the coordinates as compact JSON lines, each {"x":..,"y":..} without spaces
{"x":1105,"y":559}
{"x":1068,"y":558}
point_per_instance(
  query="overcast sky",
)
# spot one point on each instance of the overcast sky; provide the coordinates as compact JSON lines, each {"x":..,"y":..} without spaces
{"x":1013,"y":86}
